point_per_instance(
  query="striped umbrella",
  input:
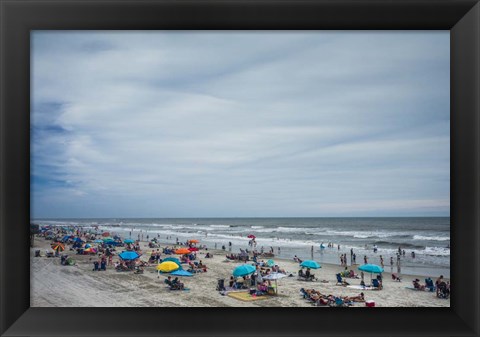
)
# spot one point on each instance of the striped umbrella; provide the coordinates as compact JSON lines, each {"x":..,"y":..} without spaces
{"x":58,"y":246}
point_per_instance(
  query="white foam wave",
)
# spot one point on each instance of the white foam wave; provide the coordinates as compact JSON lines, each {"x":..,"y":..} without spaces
{"x":431,"y":238}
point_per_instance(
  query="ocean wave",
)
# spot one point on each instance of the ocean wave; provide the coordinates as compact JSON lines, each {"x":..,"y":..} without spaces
{"x":431,"y":238}
{"x":437,"y":251}
{"x":220,"y":226}
{"x":256,"y":227}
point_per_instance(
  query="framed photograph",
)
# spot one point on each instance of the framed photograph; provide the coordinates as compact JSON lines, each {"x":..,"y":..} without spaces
{"x":183,"y":168}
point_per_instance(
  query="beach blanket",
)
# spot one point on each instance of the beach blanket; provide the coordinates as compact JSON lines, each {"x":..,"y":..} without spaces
{"x":361,"y":287}
{"x":245,"y":296}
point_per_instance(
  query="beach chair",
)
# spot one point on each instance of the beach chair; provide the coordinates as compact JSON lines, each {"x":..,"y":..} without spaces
{"x":429,"y":284}
{"x":221,"y":285}
{"x":376,"y":284}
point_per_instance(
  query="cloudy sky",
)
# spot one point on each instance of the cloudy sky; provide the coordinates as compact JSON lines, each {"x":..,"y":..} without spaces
{"x":226,"y":124}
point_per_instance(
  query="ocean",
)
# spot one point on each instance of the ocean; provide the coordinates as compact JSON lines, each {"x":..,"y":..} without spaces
{"x":427,"y":237}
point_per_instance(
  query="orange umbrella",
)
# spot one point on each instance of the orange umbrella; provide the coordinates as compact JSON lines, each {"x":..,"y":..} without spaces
{"x":182,"y":251}
{"x":193,"y":241}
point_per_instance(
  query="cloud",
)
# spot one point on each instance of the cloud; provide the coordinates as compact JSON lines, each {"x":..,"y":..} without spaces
{"x":178,"y":124}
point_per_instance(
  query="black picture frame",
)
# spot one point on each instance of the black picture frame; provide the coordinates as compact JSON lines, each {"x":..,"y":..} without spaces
{"x":19,"y":17}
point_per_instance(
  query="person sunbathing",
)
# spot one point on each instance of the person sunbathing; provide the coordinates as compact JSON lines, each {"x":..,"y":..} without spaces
{"x":358,"y":298}
{"x":417,"y":285}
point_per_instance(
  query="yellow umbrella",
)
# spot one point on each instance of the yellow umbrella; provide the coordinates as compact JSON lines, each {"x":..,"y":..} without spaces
{"x":167,"y":266}
{"x":182,"y":251}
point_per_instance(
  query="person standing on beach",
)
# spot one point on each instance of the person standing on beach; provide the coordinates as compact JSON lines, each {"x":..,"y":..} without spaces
{"x":351,"y":255}
{"x":312,"y":252}
{"x":354,"y":258}
{"x":365,"y":259}
{"x":381,"y":261}
{"x":391,"y":261}
{"x":341,"y":260}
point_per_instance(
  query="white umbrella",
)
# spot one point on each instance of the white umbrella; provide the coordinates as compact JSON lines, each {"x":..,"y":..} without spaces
{"x":274,"y":276}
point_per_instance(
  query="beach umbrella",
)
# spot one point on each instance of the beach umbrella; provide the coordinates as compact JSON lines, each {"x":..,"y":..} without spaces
{"x":129,"y":241}
{"x":182,"y":251}
{"x":181,"y":273}
{"x":128,"y":255}
{"x":90,"y":250}
{"x":251,"y":236}
{"x":270,"y":263}
{"x":310,"y":264}
{"x":193,"y":249}
{"x":107,"y":239}
{"x":88,"y":245}
{"x":274,"y":276}
{"x":78,"y":240}
{"x":58,"y":246}
{"x":243,"y":270}
{"x":66,"y":237}
{"x":193,"y":241}
{"x":105,"y":234}
{"x":98,"y":241}
{"x":371,"y":268}
{"x":167,"y":267}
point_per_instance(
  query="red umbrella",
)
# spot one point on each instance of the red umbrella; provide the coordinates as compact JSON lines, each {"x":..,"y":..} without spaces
{"x":251,"y":236}
{"x":193,"y":249}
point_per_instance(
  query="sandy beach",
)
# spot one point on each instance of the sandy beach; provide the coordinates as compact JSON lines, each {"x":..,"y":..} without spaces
{"x":55,"y":285}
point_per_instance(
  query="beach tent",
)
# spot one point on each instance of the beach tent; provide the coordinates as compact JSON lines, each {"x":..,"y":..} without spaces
{"x":173,"y":259}
{"x":310,"y":264}
{"x":182,"y":251}
{"x":78,"y":240}
{"x":274,"y":276}
{"x":243,"y":270}
{"x":128,"y":255}
{"x":167,"y":267}
{"x":180,"y":272}
{"x":66,"y":237}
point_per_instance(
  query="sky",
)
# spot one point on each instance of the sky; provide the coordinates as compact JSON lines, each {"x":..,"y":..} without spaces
{"x":240,"y":124}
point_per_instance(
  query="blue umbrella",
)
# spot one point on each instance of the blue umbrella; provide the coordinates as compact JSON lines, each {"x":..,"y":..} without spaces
{"x":243,"y":270}
{"x":310,"y":264}
{"x":127,"y":255}
{"x":371,"y":268}
{"x":129,"y":241}
{"x":78,"y":240}
{"x":98,"y":241}
{"x":66,"y":237}
{"x":181,"y":273}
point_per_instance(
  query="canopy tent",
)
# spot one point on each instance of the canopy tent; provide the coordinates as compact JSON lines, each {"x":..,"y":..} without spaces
{"x":275,"y":277}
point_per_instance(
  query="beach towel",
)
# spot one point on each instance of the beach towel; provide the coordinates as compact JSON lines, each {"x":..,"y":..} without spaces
{"x":245,"y":296}
{"x":361,"y":287}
